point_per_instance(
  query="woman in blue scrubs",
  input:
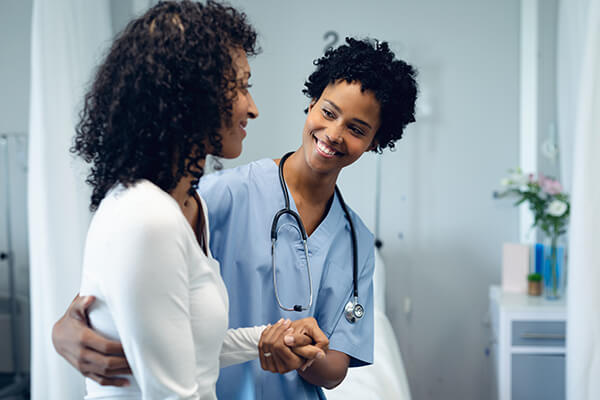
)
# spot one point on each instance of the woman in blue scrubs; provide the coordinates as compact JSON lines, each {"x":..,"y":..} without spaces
{"x":361,"y":99}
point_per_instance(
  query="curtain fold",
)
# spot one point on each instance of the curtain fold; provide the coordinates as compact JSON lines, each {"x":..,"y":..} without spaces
{"x":68,"y":36}
{"x":583,"y":328}
{"x":572,"y":22}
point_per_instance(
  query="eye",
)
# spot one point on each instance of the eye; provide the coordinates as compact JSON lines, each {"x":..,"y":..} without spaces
{"x":244,"y":86}
{"x":357,"y":131}
{"x":328,"y":114}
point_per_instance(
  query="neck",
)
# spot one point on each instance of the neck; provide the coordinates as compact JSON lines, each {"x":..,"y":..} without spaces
{"x":314,"y":187}
{"x":180,"y":193}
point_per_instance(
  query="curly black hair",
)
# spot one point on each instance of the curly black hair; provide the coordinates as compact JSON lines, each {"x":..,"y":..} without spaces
{"x":374,"y":65}
{"x":158,"y":100}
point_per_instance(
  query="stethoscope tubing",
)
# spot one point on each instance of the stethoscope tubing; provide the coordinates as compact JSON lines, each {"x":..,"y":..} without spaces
{"x":353,"y":305}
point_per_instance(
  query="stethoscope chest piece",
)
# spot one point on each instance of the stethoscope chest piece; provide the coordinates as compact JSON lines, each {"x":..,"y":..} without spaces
{"x":354,"y":311}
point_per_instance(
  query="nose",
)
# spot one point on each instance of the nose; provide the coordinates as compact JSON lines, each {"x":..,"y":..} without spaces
{"x":252,"y":109}
{"x":335,"y":134}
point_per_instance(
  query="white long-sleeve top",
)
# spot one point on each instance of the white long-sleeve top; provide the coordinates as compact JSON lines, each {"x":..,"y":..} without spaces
{"x":161,"y":296}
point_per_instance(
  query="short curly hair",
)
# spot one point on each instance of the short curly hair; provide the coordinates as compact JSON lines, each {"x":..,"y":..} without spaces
{"x":374,"y":65}
{"x":158,"y":100}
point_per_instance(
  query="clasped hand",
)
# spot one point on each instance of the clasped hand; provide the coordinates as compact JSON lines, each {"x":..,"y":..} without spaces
{"x":290,"y":345}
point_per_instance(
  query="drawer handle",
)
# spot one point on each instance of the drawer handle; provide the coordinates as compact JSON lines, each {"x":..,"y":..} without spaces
{"x":550,"y":336}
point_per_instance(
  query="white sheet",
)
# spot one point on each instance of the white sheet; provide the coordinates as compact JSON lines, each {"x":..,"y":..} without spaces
{"x":386,"y":378}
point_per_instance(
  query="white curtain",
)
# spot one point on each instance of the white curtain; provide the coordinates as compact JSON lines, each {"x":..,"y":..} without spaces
{"x":572,"y":22}
{"x":68,"y":36}
{"x":583,"y":328}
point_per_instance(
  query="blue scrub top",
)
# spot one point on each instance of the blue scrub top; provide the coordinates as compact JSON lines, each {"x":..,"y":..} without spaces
{"x":241,"y":204}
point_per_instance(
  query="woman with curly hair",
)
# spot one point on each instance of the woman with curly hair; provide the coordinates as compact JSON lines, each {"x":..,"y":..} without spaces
{"x":361,"y":99}
{"x":172,"y":89}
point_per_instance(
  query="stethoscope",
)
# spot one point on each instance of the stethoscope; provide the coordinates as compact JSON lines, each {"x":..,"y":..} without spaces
{"x":353,"y":310}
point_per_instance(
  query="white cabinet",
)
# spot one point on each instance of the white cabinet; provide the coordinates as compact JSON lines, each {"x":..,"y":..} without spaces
{"x":528,"y":336}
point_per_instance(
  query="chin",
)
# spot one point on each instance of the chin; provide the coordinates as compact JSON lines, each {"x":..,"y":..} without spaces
{"x":230,"y":154}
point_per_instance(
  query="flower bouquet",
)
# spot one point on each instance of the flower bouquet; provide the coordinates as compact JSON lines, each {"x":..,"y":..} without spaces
{"x":551,"y":209}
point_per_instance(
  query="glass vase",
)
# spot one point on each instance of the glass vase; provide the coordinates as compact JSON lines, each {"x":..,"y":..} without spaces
{"x":555,"y":263}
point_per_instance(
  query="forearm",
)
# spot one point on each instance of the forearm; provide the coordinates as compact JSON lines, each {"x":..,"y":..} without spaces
{"x":240,"y":345}
{"x":327,"y":372}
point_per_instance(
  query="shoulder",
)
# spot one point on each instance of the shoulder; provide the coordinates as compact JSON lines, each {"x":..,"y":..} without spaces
{"x":235,"y":181}
{"x":140,"y":209}
{"x":365,"y":242}
{"x":363,"y":234}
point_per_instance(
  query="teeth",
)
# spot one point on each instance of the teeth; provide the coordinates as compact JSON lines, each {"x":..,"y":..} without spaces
{"x":325,"y":149}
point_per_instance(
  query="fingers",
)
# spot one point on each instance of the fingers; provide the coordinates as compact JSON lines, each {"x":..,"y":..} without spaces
{"x":79,"y":306}
{"x":274,"y":355}
{"x":302,"y":346}
{"x":86,"y":350}
{"x":265,"y":344}
{"x":306,"y":365}
{"x":292,"y":345}
{"x":297,"y":339}
{"x":309,"y":352}
{"x":92,"y":340}
{"x":310,"y":327}
{"x":104,"y":366}
{"x":318,"y":336}
{"x":106,"y":381}
{"x":274,"y":362}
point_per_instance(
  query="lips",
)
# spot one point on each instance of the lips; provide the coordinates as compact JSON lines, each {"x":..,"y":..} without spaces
{"x":242,"y":127}
{"x":324,"y":149}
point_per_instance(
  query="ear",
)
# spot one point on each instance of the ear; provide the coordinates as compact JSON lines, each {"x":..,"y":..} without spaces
{"x":312,"y":104}
{"x":372,"y":146}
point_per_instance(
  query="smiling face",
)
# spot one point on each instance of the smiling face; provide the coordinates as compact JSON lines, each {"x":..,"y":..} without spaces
{"x":340,"y":126}
{"x":243,"y":108}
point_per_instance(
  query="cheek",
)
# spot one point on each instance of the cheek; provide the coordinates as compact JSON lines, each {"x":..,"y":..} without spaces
{"x":312,"y":123}
{"x":358,"y":146}
{"x":244,"y":105}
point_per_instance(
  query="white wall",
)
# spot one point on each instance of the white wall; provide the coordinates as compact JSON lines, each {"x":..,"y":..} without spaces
{"x":15,"y":34}
{"x":441,"y":229}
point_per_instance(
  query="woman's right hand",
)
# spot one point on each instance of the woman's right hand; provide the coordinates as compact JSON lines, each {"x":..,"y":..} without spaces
{"x":93,"y":355}
{"x":287,"y":345}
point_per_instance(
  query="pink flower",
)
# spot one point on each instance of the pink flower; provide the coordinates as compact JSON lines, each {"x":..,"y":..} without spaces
{"x":549,"y":185}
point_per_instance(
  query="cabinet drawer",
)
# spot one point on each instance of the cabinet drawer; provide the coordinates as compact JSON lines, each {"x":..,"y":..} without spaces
{"x":538,"y":377}
{"x":538,"y":333}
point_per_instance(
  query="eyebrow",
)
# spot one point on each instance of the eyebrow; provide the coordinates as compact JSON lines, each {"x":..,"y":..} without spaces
{"x":360,"y":121}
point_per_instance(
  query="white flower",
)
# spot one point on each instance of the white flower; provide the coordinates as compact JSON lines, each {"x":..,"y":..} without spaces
{"x":519,"y":179}
{"x":557,"y":208}
{"x":505,"y":182}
